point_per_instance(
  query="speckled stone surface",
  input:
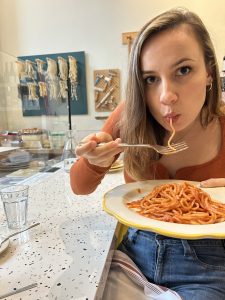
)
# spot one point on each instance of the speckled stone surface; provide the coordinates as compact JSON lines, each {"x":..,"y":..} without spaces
{"x":68,"y":254}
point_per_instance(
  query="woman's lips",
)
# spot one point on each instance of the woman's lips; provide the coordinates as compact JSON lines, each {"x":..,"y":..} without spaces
{"x":174,"y":117}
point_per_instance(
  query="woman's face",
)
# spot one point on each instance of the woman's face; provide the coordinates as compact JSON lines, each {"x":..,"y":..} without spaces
{"x":175,"y":76}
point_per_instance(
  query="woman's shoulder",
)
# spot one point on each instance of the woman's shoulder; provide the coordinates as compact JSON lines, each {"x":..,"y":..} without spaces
{"x":119,"y":109}
{"x":112,"y":123}
{"x":222,"y":116}
{"x":222,"y":125}
{"x":222,"y":110}
{"x":116,"y":114}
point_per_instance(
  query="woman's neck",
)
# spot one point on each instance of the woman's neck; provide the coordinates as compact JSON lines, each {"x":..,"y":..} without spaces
{"x":190,"y":133}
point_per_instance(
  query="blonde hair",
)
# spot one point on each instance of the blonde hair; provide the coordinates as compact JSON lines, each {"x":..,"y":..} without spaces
{"x":137,"y":124}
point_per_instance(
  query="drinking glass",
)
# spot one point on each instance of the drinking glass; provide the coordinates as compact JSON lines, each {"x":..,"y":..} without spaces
{"x":15,"y":201}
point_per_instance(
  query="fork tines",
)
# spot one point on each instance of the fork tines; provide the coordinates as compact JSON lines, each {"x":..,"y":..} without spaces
{"x":175,"y":148}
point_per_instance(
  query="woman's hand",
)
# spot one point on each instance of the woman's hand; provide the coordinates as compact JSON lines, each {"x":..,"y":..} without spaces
{"x":102,"y":156}
{"x":213,"y":182}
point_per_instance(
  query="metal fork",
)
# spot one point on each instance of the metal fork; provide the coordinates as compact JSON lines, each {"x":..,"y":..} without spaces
{"x":28,"y":287}
{"x":18,"y":232}
{"x":164,"y":150}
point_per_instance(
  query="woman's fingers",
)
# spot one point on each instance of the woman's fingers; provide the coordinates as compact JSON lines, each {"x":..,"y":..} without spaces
{"x":87,"y":144}
{"x":99,"y":155}
{"x":86,"y":147}
{"x":110,"y":148}
{"x":91,"y":148}
{"x":213,"y":182}
{"x":106,"y":158}
{"x":103,"y":137}
{"x":103,"y":154}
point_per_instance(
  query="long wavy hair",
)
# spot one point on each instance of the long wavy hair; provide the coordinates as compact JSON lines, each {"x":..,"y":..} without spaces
{"x":137,"y":124}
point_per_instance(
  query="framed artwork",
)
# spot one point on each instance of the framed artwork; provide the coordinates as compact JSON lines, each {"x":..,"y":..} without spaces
{"x":52,"y":84}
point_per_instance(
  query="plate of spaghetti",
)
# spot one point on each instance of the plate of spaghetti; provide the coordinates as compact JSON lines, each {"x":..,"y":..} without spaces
{"x":174,"y":208}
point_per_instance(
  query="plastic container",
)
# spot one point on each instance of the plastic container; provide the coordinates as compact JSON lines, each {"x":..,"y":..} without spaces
{"x":57,"y":139}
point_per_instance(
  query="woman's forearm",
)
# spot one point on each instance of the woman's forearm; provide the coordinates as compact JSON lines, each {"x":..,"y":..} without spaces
{"x":84,"y":178}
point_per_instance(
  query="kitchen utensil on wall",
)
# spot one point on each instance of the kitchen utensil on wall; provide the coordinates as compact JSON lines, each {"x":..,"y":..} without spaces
{"x":106,"y":89}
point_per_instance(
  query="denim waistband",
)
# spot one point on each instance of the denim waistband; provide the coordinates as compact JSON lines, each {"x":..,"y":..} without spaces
{"x":133,"y":232}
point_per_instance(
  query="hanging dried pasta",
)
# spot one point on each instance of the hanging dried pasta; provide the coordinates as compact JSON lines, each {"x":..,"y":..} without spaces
{"x":51,"y":68}
{"x":73,"y":76}
{"x":32,"y":91}
{"x":29,"y":69}
{"x":53,"y":90}
{"x":40,"y":65}
{"x":63,"y":68}
{"x":63,"y":89}
{"x":21,"y":69}
{"x":42,"y":89}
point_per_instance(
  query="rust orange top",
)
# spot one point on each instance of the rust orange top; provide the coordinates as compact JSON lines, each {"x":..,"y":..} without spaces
{"x":84,"y":177}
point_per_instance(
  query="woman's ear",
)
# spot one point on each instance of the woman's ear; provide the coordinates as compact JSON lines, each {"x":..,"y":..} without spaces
{"x":209,"y":78}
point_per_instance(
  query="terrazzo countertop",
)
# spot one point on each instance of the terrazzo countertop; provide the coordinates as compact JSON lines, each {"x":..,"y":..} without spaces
{"x":68,"y":254}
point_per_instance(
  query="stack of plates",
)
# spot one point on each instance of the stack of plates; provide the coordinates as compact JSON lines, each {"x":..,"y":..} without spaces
{"x":10,"y":166}
{"x":15,"y":160}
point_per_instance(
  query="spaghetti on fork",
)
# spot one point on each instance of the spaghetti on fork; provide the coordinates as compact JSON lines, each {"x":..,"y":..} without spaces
{"x":172,"y":135}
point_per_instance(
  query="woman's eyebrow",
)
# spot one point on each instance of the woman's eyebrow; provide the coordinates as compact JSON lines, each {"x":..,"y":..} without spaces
{"x":148,"y":72}
{"x":180,"y":61}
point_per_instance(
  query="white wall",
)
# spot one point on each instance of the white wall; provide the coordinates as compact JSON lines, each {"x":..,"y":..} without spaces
{"x":29,"y":27}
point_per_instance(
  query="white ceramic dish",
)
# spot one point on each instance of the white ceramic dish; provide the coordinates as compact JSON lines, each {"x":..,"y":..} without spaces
{"x":115,"y":200}
{"x":116,"y":166}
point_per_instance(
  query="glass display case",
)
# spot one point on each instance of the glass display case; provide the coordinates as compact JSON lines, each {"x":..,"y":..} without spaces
{"x":28,"y":143}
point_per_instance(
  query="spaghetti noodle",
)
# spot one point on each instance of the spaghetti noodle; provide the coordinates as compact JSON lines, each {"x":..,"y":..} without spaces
{"x":180,"y":203}
{"x":172,"y":135}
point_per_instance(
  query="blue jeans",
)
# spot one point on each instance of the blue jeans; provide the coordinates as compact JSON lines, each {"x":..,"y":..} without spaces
{"x":195,"y":269}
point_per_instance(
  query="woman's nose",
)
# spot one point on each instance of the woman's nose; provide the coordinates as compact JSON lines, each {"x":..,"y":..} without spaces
{"x":167,"y":94}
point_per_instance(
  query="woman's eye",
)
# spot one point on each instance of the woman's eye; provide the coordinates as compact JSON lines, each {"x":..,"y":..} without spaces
{"x":183,"y":71}
{"x":150,"y":79}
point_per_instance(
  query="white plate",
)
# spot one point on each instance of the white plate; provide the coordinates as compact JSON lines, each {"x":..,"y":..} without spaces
{"x":115,"y":200}
{"x":4,"y":246}
{"x":117,"y":164}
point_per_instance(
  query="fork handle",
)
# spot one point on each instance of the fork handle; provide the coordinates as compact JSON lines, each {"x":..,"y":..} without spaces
{"x":28,"y":287}
{"x":102,"y":144}
{"x":120,"y":145}
{"x":125,"y":145}
{"x":133,"y":145}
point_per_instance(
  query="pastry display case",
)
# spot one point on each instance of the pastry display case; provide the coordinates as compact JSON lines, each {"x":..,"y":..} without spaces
{"x":28,"y":143}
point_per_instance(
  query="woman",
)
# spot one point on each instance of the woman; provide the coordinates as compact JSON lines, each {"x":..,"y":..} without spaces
{"x":173,"y":75}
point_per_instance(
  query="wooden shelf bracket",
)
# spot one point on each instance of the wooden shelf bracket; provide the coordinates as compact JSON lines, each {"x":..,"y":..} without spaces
{"x":128,"y":38}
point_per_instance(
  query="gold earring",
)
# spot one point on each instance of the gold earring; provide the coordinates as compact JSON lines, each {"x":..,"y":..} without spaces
{"x":209,"y":87}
